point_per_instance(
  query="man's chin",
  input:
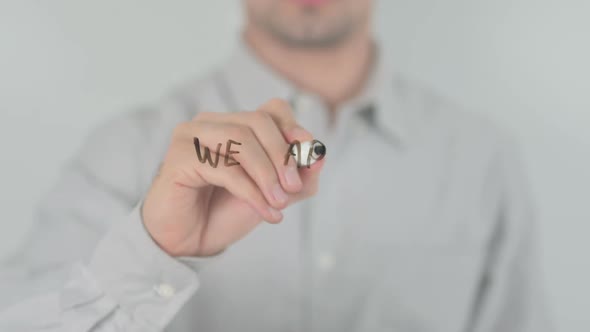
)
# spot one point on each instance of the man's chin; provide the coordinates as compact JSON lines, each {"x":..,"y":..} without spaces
{"x":310,"y":3}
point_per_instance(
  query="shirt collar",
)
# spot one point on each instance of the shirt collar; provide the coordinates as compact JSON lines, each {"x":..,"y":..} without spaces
{"x":250,"y":83}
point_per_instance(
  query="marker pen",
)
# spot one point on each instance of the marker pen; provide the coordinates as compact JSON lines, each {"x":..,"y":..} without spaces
{"x":306,"y":153}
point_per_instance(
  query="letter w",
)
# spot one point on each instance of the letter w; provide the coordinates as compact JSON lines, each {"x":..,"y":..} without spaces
{"x":207,"y":154}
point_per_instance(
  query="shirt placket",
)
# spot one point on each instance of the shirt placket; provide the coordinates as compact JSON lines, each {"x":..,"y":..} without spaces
{"x":311,"y":115}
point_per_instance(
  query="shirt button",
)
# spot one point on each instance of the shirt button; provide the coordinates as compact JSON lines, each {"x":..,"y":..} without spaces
{"x":165,"y":290}
{"x":325,"y":261}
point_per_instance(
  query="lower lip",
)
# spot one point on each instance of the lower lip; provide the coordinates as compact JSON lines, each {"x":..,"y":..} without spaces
{"x":310,"y":2}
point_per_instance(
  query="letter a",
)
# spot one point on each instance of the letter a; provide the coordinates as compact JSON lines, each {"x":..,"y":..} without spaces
{"x":290,"y":152}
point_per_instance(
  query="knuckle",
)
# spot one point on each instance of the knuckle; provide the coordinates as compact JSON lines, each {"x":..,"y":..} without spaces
{"x":201,"y":116}
{"x":279,"y":104}
{"x":180,"y":129}
{"x":239,"y":132}
{"x":261,"y":117}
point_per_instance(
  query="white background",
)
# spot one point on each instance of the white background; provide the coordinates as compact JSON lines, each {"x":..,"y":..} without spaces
{"x":66,"y":66}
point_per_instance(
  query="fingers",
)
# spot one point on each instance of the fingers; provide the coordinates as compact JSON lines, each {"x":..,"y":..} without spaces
{"x":185,"y":168}
{"x":270,"y":138}
{"x":241,"y":145}
{"x":247,"y":153}
{"x":238,"y":183}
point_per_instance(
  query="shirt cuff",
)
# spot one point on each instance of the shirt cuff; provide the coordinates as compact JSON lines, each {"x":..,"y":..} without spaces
{"x":144,"y":281}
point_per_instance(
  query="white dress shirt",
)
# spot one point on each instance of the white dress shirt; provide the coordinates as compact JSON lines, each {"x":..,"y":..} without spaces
{"x":422,"y":223}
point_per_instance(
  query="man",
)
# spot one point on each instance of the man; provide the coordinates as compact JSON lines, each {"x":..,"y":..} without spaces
{"x":422,"y":222}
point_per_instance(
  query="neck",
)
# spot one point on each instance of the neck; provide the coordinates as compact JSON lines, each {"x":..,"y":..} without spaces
{"x":336,"y":74}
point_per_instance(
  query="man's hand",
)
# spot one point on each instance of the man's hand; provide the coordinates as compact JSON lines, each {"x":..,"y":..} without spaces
{"x":195,"y":209}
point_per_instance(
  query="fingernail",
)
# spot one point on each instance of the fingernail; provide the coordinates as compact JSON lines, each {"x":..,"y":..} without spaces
{"x":275,"y":213}
{"x":292,"y":177}
{"x":279,"y":194}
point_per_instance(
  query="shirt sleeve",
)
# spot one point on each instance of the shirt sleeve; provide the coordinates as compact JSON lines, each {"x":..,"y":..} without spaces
{"x":511,"y":297}
{"x":88,"y":263}
{"x":129,"y":284}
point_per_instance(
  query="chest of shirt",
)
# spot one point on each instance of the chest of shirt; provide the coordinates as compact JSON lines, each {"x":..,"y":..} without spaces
{"x":393,"y":231}
{"x":400,"y":230}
